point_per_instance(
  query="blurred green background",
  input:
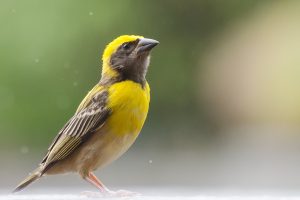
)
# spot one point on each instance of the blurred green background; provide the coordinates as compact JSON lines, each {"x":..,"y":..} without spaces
{"x":225,"y":95}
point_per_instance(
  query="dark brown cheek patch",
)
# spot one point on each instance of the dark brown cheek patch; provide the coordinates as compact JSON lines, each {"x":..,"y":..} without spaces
{"x":116,"y":59}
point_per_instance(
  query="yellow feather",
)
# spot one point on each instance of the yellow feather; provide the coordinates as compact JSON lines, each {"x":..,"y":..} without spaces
{"x":129,"y":103}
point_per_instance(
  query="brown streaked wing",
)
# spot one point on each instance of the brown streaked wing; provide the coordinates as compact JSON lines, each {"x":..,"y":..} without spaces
{"x":78,"y":128}
{"x":98,"y":88}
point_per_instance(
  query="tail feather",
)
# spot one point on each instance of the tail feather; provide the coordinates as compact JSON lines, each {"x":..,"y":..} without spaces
{"x":31,"y":178}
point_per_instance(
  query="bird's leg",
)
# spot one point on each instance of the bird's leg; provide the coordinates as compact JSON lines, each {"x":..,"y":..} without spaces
{"x":104,"y":190}
{"x":96,"y":182}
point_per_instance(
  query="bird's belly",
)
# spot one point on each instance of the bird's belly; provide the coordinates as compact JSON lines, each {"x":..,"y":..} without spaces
{"x":102,"y":149}
{"x":99,"y":150}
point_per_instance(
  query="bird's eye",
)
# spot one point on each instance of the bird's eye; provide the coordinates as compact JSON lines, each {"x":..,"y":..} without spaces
{"x":126,"y":45}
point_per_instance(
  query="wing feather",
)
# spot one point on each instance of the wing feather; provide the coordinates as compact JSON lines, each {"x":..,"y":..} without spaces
{"x":80,"y":126}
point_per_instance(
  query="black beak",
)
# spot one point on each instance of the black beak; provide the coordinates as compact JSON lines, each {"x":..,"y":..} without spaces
{"x":146,"y":44}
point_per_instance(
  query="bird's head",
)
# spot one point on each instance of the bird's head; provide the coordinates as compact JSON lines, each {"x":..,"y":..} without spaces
{"x":127,"y":58}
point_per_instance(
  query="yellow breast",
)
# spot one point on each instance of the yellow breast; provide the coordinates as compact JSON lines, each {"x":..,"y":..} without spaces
{"x":129,"y":103}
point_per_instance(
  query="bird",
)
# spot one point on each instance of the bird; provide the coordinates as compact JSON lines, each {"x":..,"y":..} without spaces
{"x":109,"y":118}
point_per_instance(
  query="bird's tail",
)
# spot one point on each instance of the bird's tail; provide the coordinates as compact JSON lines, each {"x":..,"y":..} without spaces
{"x":36,"y":174}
